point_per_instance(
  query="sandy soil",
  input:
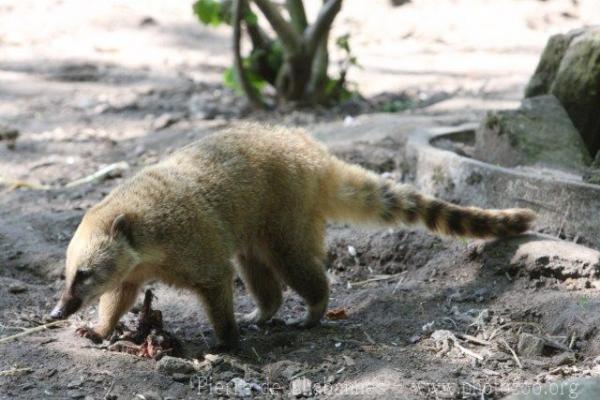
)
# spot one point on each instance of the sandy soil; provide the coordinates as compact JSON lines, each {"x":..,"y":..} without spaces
{"x":90,"y":84}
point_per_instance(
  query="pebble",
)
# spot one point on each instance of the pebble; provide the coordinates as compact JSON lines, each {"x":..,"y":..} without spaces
{"x":16,"y":288}
{"x":179,"y":377}
{"x":172,"y":365}
{"x":302,"y":387}
{"x":241,"y":388}
{"x":530,"y":345}
{"x":75,"y":394}
{"x":164,"y":121}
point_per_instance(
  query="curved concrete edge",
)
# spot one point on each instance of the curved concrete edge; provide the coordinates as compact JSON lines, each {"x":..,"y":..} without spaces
{"x":564,"y":207}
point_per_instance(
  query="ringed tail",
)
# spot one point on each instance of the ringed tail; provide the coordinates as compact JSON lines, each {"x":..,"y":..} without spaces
{"x":359,"y":195}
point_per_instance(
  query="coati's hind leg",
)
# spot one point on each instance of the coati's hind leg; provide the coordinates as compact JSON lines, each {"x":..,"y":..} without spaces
{"x":112,"y":306}
{"x":299,"y":259}
{"x":264,"y":286}
{"x":217,"y":297}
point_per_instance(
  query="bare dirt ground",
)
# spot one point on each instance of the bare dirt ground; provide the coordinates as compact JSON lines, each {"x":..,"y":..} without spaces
{"x":93,"y":83}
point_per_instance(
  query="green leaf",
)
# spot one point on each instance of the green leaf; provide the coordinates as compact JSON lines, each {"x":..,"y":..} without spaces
{"x":208,"y":12}
{"x":250,"y":18}
{"x":230,"y":80}
{"x":343,"y":42}
{"x":275,"y":55}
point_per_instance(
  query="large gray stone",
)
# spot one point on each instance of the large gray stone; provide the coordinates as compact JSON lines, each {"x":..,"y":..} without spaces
{"x":577,"y":388}
{"x":539,"y":133}
{"x":566,"y":206}
{"x":592,"y":175}
{"x":569,"y":68}
{"x":542,"y":79}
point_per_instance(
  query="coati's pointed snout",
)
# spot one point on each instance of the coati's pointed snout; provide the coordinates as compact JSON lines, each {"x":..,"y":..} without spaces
{"x":67,"y":306}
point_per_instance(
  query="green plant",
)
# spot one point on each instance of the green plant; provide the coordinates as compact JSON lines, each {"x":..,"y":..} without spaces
{"x":295,"y":62}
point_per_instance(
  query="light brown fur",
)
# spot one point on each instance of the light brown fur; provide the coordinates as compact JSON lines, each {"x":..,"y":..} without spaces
{"x":260,"y":195}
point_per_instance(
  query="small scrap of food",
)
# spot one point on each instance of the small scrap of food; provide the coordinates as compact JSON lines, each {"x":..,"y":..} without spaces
{"x":336,"y":314}
{"x":148,"y":338}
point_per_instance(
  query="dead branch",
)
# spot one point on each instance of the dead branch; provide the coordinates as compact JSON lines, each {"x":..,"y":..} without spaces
{"x":32,"y":330}
{"x":515,"y":357}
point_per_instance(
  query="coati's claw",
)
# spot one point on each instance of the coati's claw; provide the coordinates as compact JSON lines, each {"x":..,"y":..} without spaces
{"x":254,"y":318}
{"x":89,"y":333}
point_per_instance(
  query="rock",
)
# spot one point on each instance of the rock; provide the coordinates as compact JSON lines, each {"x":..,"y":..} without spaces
{"x":165,"y":120}
{"x":555,"y":259}
{"x":9,"y":135}
{"x":576,"y":388}
{"x":241,"y":387}
{"x":530,"y":345}
{"x":592,"y":175}
{"x":282,"y":370}
{"x":538,"y":133}
{"x":78,"y":72}
{"x":148,"y":21}
{"x":179,"y":377}
{"x":75,"y":394}
{"x":414,"y":339}
{"x":16,"y":288}
{"x":570,"y":69}
{"x":547,"y":68}
{"x":172,"y":365}
{"x":301,"y":387}
{"x":149,"y":396}
{"x":380,"y":156}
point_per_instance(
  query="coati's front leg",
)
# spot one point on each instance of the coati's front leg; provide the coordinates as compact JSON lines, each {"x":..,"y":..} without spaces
{"x":112,"y":306}
{"x":217,"y":297}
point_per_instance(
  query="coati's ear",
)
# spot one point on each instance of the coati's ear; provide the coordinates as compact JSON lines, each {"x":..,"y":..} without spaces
{"x":121,"y":226}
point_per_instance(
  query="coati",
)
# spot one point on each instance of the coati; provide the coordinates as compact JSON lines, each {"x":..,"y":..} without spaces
{"x":254,"y":198}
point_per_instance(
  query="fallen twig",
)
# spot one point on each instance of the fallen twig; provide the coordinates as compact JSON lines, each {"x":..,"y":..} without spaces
{"x":13,"y":371}
{"x":398,"y":284}
{"x":110,"y":388}
{"x":515,"y":357}
{"x":14,"y":184}
{"x":509,"y":324}
{"x":101,"y":173}
{"x":32,"y":330}
{"x":473,"y":339}
{"x":444,"y":336}
{"x":369,"y":338}
{"x":377,"y":278}
{"x":467,"y":351}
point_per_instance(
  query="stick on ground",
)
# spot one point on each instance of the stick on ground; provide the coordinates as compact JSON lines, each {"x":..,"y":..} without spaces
{"x":32,"y":330}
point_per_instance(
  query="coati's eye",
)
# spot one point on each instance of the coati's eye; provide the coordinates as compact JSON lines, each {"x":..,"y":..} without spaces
{"x":82,"y":275}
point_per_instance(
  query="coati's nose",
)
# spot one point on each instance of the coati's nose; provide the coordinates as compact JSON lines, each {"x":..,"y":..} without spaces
{"x":57,"y":312}
{"x":66,"y":306}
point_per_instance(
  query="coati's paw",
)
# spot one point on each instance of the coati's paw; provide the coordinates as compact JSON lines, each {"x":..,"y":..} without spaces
{"x":255,"y":317}
{"x":89,"y":333}
{"x":225,"y":347}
